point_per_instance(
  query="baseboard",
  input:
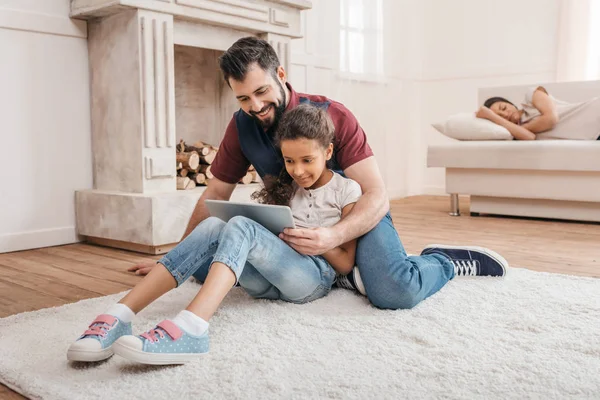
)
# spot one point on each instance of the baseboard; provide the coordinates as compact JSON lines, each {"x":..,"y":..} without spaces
{"x":36,"y":239}
{"x":435,"y":190}
{"x":396,"y":194}
{"x":138,"y":248}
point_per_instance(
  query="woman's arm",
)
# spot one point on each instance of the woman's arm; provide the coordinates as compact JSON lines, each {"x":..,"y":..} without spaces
{"x":546,"y":121}
{"x":518,"y":132}
{"x":549,"y":115}
{"x":342,"y":258}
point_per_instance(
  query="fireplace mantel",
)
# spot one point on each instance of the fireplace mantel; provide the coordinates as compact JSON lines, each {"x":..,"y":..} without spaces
{"x":134,"y":203}
{"x":275,"y":16}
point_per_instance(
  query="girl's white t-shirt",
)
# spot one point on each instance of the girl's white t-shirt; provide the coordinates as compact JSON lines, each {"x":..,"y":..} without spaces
{"x":322,"y":207}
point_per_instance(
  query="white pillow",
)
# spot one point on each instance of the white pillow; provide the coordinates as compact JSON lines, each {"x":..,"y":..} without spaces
{"x":466,"y":126}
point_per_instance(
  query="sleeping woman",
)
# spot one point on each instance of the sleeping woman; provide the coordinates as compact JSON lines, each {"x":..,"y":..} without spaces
{"x":545,"y":117}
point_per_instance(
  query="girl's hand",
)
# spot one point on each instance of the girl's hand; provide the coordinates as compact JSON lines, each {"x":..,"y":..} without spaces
{"x":312,"y":242}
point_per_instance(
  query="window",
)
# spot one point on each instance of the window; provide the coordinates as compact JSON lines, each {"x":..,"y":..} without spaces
{"x":593,"y":61}
{"x":361,"y":37}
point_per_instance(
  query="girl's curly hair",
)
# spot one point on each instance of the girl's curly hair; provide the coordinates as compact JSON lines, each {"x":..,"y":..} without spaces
{"x":303,"y":122}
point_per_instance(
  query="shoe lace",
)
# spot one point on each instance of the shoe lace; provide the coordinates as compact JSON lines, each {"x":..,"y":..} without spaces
{"x":101,"y":325}
{"x":344,"y":282}
{"x":465,"y":267}
{"x":98,"y":329}
{"x":151,"y":335}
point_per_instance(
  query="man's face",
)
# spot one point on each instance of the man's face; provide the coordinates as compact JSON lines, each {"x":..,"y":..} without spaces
{"x":261,"y":95}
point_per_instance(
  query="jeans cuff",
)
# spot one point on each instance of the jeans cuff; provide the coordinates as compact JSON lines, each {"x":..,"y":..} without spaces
{"x":229,"y":263}
{"x":445,"y":260}
{"x":172,"y":270}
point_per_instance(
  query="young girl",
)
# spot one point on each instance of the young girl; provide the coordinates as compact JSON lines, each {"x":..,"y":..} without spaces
{"x":242,"y":251}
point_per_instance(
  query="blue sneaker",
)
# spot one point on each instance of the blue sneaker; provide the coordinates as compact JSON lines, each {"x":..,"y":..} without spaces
{"x":96,"y":343}
{"x":470,"y":260}
{"x":164,"y":345}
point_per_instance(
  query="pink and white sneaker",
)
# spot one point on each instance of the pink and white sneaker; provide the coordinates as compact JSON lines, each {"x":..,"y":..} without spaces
{"x":166,"y":344}
{"x":96,"y":342}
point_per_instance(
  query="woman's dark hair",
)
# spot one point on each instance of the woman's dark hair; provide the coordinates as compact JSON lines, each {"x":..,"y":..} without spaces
{"x":492,"y":100}
{"x":302,"y":122}
{"x":235,"y":61}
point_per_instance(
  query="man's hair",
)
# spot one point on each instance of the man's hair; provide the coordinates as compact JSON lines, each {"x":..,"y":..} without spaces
{"x":235,"y":61}
{"x":492,"y":100}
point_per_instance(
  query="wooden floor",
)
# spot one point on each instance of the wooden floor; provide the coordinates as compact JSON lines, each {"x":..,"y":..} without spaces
{"x":35,"y":279}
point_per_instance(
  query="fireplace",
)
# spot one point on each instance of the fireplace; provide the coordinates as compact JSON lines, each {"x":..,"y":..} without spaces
{"x":154,"y":81}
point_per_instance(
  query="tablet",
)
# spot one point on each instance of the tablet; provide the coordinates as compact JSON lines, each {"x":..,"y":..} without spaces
{"x":274,"y":218}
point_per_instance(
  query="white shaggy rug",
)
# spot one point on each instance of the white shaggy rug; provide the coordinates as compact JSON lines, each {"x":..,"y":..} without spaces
{"x":530,"y":335}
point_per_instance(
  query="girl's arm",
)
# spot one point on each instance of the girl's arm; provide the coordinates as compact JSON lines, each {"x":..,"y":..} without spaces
{"x":342,"y":257}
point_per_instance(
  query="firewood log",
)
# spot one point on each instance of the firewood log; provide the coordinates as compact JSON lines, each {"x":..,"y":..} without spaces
{"x":209,"y":158}
{"x":190,"y":160}
{"x":190,"y":185}
{"x":199,"y":178}
{"x":184,"y":172}
{"x":182,"y":182}
{"x":246,"y":179}
{"x":179,"y":166}
{"x":207,"y":172}
{"x":204,"y":150}
{"x":254,"y":175}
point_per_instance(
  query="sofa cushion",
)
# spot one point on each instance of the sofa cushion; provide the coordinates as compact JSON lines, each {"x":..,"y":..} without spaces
{"x":558,"y":155}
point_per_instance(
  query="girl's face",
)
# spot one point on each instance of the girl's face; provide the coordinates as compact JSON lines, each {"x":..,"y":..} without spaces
{"x":305,"y":161}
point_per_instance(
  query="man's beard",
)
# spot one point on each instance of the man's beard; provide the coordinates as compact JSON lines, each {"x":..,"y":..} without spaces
{"x":279,"y":110}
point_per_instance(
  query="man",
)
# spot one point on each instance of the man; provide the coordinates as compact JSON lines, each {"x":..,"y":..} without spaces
{"x":388,"y":277}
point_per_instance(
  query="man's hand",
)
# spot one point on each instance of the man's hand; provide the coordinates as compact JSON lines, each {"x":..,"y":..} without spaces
{"x":486,"y":113}
{"x":142,"y":268}
{"x":312,"y":242}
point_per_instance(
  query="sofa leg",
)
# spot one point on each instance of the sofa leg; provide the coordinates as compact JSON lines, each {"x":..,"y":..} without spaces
{"x":454,"y":210}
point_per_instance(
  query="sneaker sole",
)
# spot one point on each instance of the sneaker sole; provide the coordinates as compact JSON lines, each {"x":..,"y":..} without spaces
{"x":154,"y":358}
{"x":89,"y":356}
{"x":497,"y":257}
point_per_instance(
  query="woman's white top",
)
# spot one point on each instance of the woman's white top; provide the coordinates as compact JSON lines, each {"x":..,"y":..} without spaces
{"x":576,"y":121}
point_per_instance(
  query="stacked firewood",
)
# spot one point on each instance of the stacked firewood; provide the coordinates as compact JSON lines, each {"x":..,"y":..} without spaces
{"x":193,"y":165}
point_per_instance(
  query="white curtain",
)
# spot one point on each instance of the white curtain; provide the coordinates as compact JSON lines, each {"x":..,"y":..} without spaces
{"x":579,"y":41}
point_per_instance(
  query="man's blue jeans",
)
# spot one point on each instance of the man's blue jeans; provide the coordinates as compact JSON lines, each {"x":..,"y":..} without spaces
{"x":264,"y":265}
{"x":392,"y":279}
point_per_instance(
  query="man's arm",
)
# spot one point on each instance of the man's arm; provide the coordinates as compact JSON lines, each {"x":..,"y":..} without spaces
{"x":367,"y":213}
{"x":370,"y":207}
{"x":216,"y":190}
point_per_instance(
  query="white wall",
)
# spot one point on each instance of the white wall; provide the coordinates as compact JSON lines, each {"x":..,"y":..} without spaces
{"x":471,"y":44}
{"x":45,"y":150}
{"x":437,"y":53}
